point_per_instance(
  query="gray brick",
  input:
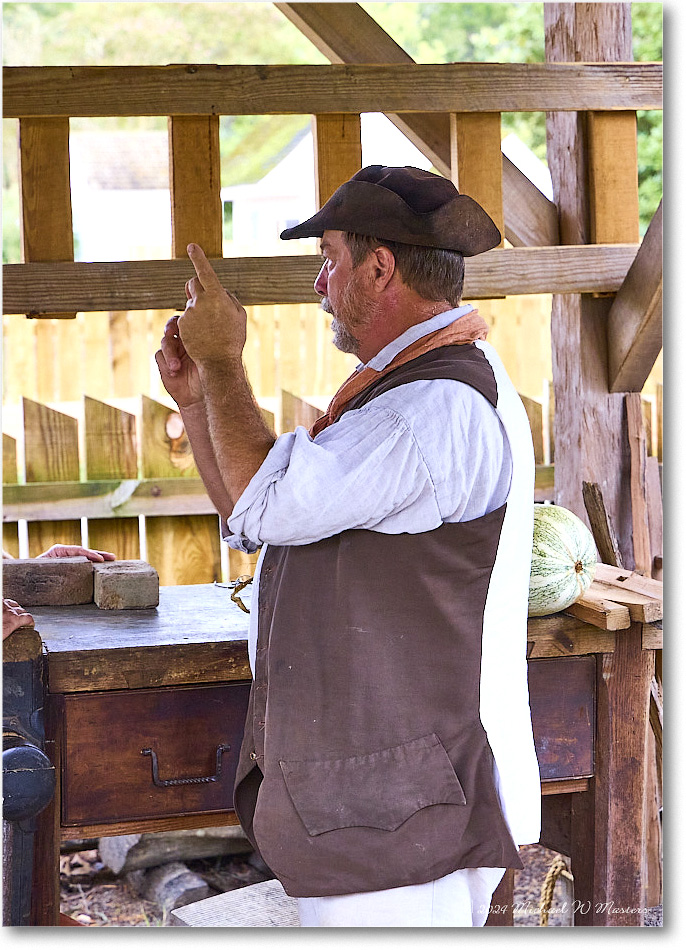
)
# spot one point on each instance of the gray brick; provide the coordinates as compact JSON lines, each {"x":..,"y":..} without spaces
{"x":48,"y":582}
{"x":123,"y":585}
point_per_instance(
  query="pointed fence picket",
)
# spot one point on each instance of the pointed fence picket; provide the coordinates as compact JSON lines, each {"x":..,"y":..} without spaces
{"x":10,"y":534}
{"x":111,"y":453}
{"x":51,"y":454}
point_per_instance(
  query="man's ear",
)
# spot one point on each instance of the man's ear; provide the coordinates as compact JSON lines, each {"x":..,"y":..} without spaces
{"x":382,"y":266}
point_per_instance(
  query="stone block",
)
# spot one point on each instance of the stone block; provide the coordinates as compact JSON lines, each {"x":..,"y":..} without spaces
{"x":125,"y":585}
{"x":48,"y":582}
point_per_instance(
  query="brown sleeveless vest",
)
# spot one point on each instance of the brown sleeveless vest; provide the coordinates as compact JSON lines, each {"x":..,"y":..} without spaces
{"x":364,"y":763}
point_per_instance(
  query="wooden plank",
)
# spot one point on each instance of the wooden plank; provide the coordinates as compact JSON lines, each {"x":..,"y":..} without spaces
{"x":165,"y":449}
{"x":10,"y":533}
{"x":564,"y":786}
{"x":258,"y":905}
{"x":45,"y":194}
{"x":195,"y":182}
{"x":564,"y":635}
{"x":281,"y":90}
{"x":601,"y":528}
{"x":476,"y":162}
{"x":641,"y":607}
{"x":51,"y":454}
{"x":613,"y":177}
{"x":50,"y":444}
{"x":639,"y":502}
{"x":337,"y":152}
{"x":599,"y":32}
{"x":106,"y":499}
{"x":195,"y":635}
{"x":129,"y":285}
{"x":534,"y":412}
{"x":111,"y":452}
{"x":623,"y":694}
{"x":628,"y":580}
{"x":654,"y":502}
{"x":128,"y":498}
{"x":46,"y":361}
{"x":652,"y":639}
{"x":563,"y":720}
{"x":634,"y":327}
{"x":296,"y":412}
{"x":183,"y":549}
{"x":593,"y":607}
{"x":177,"y":823}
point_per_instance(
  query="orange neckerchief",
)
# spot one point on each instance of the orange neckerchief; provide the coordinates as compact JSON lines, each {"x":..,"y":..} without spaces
{"x":466,"y":329}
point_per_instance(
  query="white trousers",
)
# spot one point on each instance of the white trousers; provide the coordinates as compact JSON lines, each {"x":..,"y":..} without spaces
{"x":460,"y":899}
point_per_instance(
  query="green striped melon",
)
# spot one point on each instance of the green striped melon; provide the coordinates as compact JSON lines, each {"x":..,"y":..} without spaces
{"x":563,"y":560}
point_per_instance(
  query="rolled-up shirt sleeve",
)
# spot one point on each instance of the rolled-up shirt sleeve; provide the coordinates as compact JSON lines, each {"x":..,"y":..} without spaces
{"x":365,"y":470}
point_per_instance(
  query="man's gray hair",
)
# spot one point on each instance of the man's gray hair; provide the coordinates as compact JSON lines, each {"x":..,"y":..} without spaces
{"x":432,"y":272}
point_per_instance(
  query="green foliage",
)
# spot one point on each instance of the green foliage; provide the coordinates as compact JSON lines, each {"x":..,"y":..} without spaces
{"x":155,"y":34}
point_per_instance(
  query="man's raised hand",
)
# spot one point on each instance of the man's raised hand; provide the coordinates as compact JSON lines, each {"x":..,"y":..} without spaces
{"x":178,"y":371}
{"x":213,"y":326}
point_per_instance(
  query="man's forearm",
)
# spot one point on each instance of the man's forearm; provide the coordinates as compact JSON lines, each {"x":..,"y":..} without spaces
{"x":240,"y":437}
{"x":195,"y":423}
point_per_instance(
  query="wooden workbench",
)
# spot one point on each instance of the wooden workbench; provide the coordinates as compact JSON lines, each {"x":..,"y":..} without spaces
{"x":174,"y":681}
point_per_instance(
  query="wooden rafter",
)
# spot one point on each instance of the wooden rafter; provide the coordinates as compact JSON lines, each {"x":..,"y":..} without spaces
{"x":134,"y":285}
{"x":634,"y":330}
{"x":345,"y":33}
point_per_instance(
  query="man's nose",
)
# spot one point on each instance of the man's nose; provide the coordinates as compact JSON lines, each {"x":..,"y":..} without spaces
{"x":321,"y":283}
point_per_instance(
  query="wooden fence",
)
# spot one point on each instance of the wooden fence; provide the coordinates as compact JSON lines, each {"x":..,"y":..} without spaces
{"x":126,"y":482}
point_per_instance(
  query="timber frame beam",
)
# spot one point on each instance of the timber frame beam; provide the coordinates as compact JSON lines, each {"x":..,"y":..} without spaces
{"x":305,"y":90}
{"x":634,"y":323}
{"x":41,"y":289}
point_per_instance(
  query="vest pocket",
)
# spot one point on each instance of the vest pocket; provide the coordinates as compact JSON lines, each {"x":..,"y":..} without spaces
{"x":379,"y":790}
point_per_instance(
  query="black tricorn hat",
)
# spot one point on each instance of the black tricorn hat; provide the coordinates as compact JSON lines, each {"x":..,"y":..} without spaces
{"x":404,"y":204}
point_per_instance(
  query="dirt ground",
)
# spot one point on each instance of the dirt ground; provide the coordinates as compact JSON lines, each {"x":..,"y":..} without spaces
{"x":93,"y":896}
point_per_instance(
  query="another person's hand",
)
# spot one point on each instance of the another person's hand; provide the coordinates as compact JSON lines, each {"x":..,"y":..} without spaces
{"x":13,"y":617}
{"x":178,"y":371}
{"x":213,"y":325}
{"x":75,"y":550}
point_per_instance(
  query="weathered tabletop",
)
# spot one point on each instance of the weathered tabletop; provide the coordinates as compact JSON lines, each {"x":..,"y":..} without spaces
{"x":196,"y":634}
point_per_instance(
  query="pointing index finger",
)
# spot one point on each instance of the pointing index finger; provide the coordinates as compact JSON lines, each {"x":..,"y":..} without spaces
{"x":206,"y":273}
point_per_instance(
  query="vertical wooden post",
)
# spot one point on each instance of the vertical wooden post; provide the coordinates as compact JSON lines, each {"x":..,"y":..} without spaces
{"x":195,"y":182}
{"x":10,"y":534}
{"x":24,"y":861}
{"x":110,"y":440}
{"x":639,"y":502}
{"x":337,"y":152}
{"x":183,"y":549}
{"x":590,"y":428}
{"x":44,"y":191}
{"x":477,"y":162}
{"x":613,"y":177}
{"x":51,"y":448}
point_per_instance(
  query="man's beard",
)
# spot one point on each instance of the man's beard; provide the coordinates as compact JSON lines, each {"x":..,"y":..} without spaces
{"x":354,"y":311}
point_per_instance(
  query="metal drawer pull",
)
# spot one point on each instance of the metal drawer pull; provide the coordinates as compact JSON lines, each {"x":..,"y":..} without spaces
{"x":165,"y":783}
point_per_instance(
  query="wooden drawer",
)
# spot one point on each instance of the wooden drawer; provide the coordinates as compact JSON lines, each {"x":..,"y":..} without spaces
{"x":562,"y":698}
{"x":188,"y":730}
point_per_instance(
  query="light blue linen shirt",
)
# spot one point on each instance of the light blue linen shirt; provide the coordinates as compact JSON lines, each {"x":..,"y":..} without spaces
{"x":424,"y":453}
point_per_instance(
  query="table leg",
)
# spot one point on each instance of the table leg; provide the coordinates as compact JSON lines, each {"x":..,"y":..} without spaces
{"x":45,"y":898}
{"x":607,"y":823}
